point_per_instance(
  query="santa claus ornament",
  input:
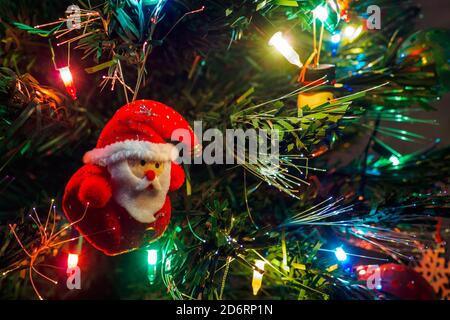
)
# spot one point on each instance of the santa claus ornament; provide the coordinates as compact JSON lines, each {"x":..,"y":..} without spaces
{"x":119,"y":196}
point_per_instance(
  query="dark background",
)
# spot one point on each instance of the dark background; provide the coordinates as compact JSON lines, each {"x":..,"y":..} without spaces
{"x":436,"y":14}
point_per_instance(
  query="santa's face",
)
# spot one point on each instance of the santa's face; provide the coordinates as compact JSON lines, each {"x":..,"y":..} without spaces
{"x":142,"y":168}
{"x":140,"y":186}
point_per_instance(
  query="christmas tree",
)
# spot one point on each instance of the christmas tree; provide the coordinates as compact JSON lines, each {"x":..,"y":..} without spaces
{"x":97,"y":98}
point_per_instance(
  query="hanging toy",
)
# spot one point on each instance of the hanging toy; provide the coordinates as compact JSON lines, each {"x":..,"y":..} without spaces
{"x":316,"y":75}
{"x":313,"y":73}
{"x":120,"y":195}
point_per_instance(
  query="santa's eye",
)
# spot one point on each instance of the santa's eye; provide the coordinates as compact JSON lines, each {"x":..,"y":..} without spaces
{"x":143,"y":162}
{"x":157,"y":165}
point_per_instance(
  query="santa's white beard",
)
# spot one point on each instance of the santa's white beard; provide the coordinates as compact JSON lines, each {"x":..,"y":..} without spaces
{"x":134,"y":193}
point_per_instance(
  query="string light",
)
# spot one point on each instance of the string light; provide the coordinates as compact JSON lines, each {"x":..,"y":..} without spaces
{"x":50,"y":239}
{"x":282,"y":46}
{"x":72,"y":260}
{"x":257,"y":276}
{"x":67,"y":78}
{"x":152,"y":259}
{"x":336,"y":38}
{"x":321,"y":13}
{"x":341,"y":255}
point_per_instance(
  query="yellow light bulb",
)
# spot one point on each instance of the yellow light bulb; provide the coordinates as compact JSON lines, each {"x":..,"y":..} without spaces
{"x":285,"y":49}
{"x":257,"y":276}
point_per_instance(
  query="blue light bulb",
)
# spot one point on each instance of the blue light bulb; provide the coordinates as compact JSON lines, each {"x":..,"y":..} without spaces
{"x":341,"y":255}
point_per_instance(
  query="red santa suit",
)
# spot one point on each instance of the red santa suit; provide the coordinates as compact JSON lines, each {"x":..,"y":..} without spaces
{"x":98,"y":198}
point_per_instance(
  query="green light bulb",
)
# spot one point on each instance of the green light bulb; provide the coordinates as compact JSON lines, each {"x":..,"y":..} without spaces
{"x":152,"y":257}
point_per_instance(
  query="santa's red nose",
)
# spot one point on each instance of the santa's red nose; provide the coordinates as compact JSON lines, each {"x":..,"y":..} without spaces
{"x":150,"y":174}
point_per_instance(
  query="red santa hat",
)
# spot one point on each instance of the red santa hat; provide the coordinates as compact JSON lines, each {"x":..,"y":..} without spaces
{"x":140,"y":130}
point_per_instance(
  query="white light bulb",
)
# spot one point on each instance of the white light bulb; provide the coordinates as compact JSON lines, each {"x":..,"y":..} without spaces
{"x":321,"y":13}
{"x":336,"y":38}
{"x":285,"y":49}
{"x":72,"y":260}
{"x":341,"y":255}
{"x":152,"y":256}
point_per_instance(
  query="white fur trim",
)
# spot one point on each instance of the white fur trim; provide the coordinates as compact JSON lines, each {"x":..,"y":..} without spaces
{"x":128,"y":149}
